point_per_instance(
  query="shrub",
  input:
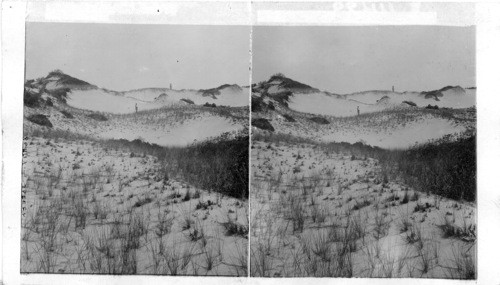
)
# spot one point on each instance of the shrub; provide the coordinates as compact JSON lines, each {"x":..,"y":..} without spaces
{"x":257,"y":104}
{"x":410,"y":103}
{"x":406,"y":197}
{"x":464,"y":263}
{"x":435,"y":107}
{"x":289,"y":118}
{"x":98,"y":117}
{"x":289,"y":83}
{"x":142,"y":202}
{"x":209,"y":105}
{"x":277,"y":75}
{"x":40,"y":119}
{"x":360,"y":205}
{"x":404,"y":222}
{"x":319,"y":120}
{"x":164,"y":224}
{"x":220,"y":166}
{"x":263,"y":124}
{"x":187,"y":101}
{"x":67,"y":114}
{"x":283,"y":97}
{"x":66,"y":79}
{"x":204,"y":205}
{"x":60,"y":94}
{"x":235,"y":229}
{"x":270,"y":105}
{"x":444,"y":168}
{"x":466,"y":233}
{"x":49,"y":102}
{"x":187,"y":197}
{"x":31,"y":100}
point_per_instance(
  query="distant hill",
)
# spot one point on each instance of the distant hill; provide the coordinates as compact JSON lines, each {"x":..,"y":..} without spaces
{"x":282,"y":91}
{"x":61,"y":88}
{"x":57,"y":79}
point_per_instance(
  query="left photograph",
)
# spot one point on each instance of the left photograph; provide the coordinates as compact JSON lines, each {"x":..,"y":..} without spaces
{"x":135,"y":149}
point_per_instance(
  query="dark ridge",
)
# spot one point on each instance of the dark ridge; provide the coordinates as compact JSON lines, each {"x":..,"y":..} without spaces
{"x":212,"y":92}
{"x":65,"y":79}
{"x":187,"y":101}
{"x":229,"y":85}
{"x":437,"y":93}
{"x":410,"y":103}
{"x":289,"y":83}
{"x":448,"y":87}
{"x":156,"y":89}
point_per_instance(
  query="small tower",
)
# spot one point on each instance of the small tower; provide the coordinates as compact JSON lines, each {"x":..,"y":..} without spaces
{"x":392,"y":88}
{"x":171,"y":86}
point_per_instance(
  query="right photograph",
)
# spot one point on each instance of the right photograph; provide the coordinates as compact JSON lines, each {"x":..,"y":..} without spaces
{"x":363,"y":152}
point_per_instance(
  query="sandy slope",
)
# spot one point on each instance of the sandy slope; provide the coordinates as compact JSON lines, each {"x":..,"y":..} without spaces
{"x":398,"y":128}
{"x":316,"y":212}
{"x":151,"y":98}
{"x":169,"y":126}
{"x":101,"y":101}
{"x":92,"y":206}
{"x":324,"y":104}
{"x":192,"y":130}
{"x":300,"y":182}
{"x":228,"y":96}
{"x":374,"y":101}
{"x":404,"y":136}
{"x":121,"y":195}
{"x":86,"y":96}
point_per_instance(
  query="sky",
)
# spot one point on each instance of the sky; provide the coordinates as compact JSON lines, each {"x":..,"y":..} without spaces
{"x":349,"y":59}
{"x":124,"y":57}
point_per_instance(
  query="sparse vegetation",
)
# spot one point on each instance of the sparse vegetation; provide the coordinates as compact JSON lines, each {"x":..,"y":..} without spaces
{"x":366,"y":199}
{"x":97,"y":117}
{"x":113,"y":212}
{"x":319,"y":120}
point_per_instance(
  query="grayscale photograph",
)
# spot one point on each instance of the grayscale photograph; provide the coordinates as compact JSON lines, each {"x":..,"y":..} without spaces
{"x":363,"y":152}
{"x":135,"y":149}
